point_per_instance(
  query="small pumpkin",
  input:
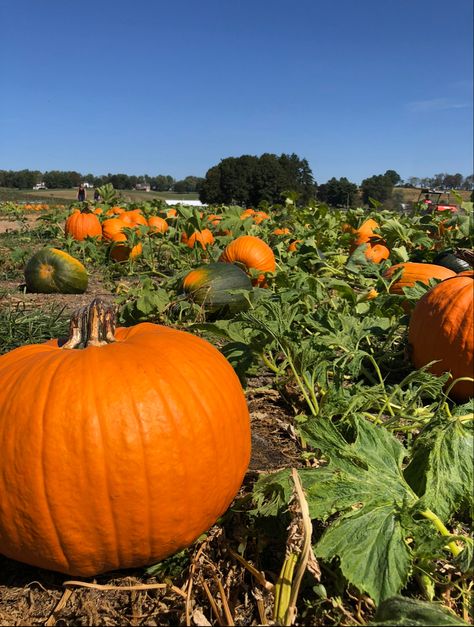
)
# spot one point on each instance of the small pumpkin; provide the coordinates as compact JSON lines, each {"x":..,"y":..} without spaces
{"x":111,"y":227}
{"x":253,"y":253}
{"x":365,"y":232}
{"x":82,"y":224}
{"x":441,"y":328}
{"x":376,"y":252}
{"x":413,"y":272}
{"x":260,"y":216}
{"x":51,"y":270}
{"x":209,"y":286}
{"x":133,"y":218}
{"x":293,"y":245}
{"x":203,"y":237}
{"x":157,"y":224}
{"x":95,"y":477}
{"x":120,"y":249}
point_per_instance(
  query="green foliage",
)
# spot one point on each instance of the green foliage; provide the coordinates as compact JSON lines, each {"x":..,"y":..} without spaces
{"x":398,"y":610}
{"x":249,"y":180}
{"x":360,"y":492}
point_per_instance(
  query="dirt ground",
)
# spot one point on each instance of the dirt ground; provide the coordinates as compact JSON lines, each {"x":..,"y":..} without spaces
{"x":31,"y":596}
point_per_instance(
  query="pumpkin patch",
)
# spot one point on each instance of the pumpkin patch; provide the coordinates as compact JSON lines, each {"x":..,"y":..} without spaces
{"x":182,"y":434}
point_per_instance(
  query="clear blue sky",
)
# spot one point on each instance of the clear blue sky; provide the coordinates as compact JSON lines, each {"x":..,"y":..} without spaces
{"x":172,"y":87}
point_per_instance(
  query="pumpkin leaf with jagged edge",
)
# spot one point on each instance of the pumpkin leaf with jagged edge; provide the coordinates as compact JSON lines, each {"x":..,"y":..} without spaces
{"x":441,"y":471}
{"x":363,"y":485}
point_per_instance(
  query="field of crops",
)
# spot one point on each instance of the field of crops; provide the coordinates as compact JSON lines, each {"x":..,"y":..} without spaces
{"x":350,"y":343}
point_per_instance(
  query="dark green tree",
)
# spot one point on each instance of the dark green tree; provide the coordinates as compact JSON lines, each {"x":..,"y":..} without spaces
{"x":249,"y":180}
{"x":188,"y":184}
{"x":378,"y":187}
{"x":393,"y":176}
{"x":338,"y":192}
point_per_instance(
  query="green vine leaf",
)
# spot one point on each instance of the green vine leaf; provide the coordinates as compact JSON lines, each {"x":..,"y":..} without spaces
{"x":441,"y":470}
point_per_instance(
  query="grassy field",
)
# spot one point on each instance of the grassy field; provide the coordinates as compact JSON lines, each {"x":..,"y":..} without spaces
{"x":52,"y":196}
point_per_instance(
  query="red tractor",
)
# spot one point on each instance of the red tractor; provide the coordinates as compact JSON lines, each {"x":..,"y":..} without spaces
{"x":433,"y":200}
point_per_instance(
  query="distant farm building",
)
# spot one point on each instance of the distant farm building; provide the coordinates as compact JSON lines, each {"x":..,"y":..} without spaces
{"x":142,"y":187}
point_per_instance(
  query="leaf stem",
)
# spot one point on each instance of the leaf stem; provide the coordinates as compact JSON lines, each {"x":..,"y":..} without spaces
{"x":439,"y":525}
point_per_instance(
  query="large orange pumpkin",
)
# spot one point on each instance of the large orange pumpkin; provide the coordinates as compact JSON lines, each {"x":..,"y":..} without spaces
{"x":413,"y":272}
{"x":253,"y":253}
{"x":82,"y":224}
{"x":441,"y":328}
{"x":96,"y":476}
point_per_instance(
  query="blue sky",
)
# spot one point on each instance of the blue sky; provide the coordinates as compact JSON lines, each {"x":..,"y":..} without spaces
{"x":152,"y":87}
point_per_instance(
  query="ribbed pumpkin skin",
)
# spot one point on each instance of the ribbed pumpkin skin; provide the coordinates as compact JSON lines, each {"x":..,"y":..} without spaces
{"x":441,"y":328}
{"x":208,"y":285}
{"x":96,"y":477}
{"x":53,"y":271}
{"x":81,"y":225}
{"x":413,"y":272}
{"x":252,"y":252}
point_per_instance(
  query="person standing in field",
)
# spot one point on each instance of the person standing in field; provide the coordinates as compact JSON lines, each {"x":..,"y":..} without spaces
{"x":81,"y":194}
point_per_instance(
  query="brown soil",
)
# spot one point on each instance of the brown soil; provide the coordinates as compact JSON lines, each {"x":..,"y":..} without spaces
{"x":31,"y":596}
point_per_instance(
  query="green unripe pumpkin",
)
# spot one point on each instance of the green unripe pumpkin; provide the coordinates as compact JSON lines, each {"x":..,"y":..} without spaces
{"x":51,"y":270}
{"x":210,"y":285}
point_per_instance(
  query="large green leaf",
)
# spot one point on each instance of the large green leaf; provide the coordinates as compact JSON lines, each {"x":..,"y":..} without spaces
{"x":441,"y":470}
{"x":364,"y":483}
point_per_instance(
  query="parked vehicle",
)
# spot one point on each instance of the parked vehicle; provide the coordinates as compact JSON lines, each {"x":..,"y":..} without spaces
{"x":435,"y":200}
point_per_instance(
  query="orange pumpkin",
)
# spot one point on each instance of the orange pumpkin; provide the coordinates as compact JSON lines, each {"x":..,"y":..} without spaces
{"x":157,"y":224}
{"x":365,"y":235}
{"x":283,"y":231}
{"x":95,"y":477}
{"x":204,"y":237}
{"x":248,"y":213}
{"x":253,"y":253}
{"x":293,"y":247}
{"x":133,"y":218}
{"x":113,"y":211}
{"x":441,"y":328}
{"x":260,"y":216}
{"x":82,"y":224}
{"x":111,"y":227}
{"x":376,"y":252}
{"x":121,"y":251}
{"x":413,"y":272}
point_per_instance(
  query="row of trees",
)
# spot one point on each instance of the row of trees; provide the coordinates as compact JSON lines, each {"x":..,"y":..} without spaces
{"x":57,"y":179}
{"x":248,"y":180}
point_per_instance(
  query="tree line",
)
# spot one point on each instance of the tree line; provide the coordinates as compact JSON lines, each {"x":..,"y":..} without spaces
{"x":58,"y":179}
{"x":249,"y":180}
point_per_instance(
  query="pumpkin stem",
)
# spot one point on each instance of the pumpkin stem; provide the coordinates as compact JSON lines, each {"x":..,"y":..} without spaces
{"x":93,"y":325}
